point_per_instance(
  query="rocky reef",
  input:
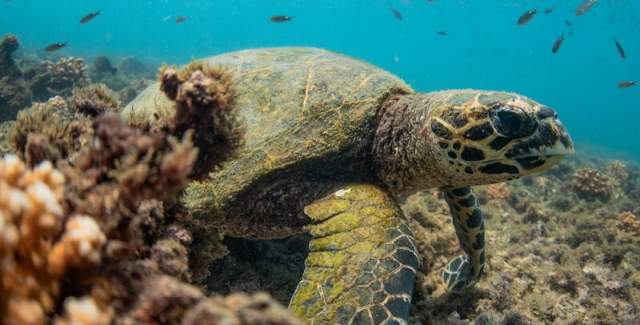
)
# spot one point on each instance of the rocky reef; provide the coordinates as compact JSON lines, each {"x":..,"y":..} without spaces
{"x":27,"y":79}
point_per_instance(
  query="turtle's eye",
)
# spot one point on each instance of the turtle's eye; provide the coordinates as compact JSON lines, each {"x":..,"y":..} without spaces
{"x":512,"y":122}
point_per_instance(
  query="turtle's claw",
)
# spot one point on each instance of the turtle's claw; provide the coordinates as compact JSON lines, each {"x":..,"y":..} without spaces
{"x":458,"y":274}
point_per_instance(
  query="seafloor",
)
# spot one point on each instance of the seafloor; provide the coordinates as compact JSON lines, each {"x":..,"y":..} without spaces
{"x":562,"y":248}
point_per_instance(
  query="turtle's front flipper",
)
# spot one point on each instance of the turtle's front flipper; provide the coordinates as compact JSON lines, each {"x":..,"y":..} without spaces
{"x":362,"y":262}
{"x":464,"y":271}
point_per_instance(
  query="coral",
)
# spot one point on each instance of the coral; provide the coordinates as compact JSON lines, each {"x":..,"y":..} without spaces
{"x":53,"y":127}
{"x":240,"y":309}
{"x":617,"y":170}
{"x":37,"y":243}
{"x":102,"y":65}
{"x":498,"y":191}
{"x":8,"y":45}
{"x":204,"y":99}
{"x":132,"y":90}
{"x":132,"y":66}
{"x":95,"y":100}
{"x":84,"y":311}
{"x":58,"y":78}
{"x":167,"y":301}
{"x":6,"y":129}
{"x":629,"y":222}
{"x":590,"y":184}
{"x":14,"y":93}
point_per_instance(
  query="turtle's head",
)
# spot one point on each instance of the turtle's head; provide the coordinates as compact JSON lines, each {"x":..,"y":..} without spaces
{"x":481,"y":137}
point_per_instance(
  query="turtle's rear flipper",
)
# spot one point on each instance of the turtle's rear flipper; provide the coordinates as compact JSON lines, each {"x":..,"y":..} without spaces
{"x":362,"y":262}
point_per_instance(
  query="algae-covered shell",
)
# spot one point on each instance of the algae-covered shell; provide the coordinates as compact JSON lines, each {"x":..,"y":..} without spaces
{"x":306,"y":111}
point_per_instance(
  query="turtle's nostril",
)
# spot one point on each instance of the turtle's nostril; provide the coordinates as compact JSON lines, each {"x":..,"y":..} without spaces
{"x":545,"y":112}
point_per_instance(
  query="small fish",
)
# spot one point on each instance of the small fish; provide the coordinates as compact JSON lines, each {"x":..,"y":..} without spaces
{"x":442,"y":33}
{"x":557,"y":44}
{"x":89,"y":17}
{"x":549,"y":10}
{"x":620,"y":49}
{"x":568,"y":23}
{"x":55,"y":46}
{"x":396,"y":14}
{"x":527,"y":16}
{"x":627,"y":83}
{"x":585,"y":6}
{"x":181,"y":19}
{"x":281,"y":19}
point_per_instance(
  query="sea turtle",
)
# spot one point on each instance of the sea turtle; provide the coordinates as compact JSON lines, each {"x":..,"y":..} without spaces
{"x":333,"y":144}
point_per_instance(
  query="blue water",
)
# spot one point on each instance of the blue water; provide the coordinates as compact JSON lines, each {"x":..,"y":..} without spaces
{"x":484,"y":47}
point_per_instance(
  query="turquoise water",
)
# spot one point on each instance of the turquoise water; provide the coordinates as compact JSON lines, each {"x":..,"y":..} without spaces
{"x":484,"y":48}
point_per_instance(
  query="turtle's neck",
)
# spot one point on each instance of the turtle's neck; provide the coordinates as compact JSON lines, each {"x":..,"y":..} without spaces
{"x":402,"y":150}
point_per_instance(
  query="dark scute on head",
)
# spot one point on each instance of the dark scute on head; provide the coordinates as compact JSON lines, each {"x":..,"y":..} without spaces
{"x":472,"y":154}
{"x":479,"y":132}
{"x":452,"y":155}
{"x":440,"y":130}
{"x":459,"y":120}
{"x":443,"y":145}
{"x":499,"y":168}
{"x":546,"y":112}
{"x":468,"y":170}
{"x":457,"y":145}
{"x":468,"y":202}
{"x":546,"y":137}
{"x":499,"y":143}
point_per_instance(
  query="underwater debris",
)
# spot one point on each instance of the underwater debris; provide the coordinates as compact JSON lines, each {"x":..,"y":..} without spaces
{"x":94,"y":100}
{"x":55,"y":46}
{"x":181,"y":19}
{"x":204,"y":99}
{"x":526,"y":17}
{"x":58,"y":78}
{"x":590,"y":184}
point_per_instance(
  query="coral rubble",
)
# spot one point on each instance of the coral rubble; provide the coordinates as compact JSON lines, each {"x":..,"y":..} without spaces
{"x":590,"y":184}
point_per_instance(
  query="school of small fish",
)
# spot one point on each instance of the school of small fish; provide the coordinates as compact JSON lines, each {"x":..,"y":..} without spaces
{"x":525,"y":18}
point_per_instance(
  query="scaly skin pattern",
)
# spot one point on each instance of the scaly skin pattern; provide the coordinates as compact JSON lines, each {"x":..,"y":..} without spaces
{"x":362,"y":262}
{"x":464,"y":271}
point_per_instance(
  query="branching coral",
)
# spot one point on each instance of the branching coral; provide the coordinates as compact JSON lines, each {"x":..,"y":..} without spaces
{"x":590,"y":184}
{"x":58,"y":78}
{"x":204,"y":99}
{"x":38,"y":244}
{"x":95,"y":100}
